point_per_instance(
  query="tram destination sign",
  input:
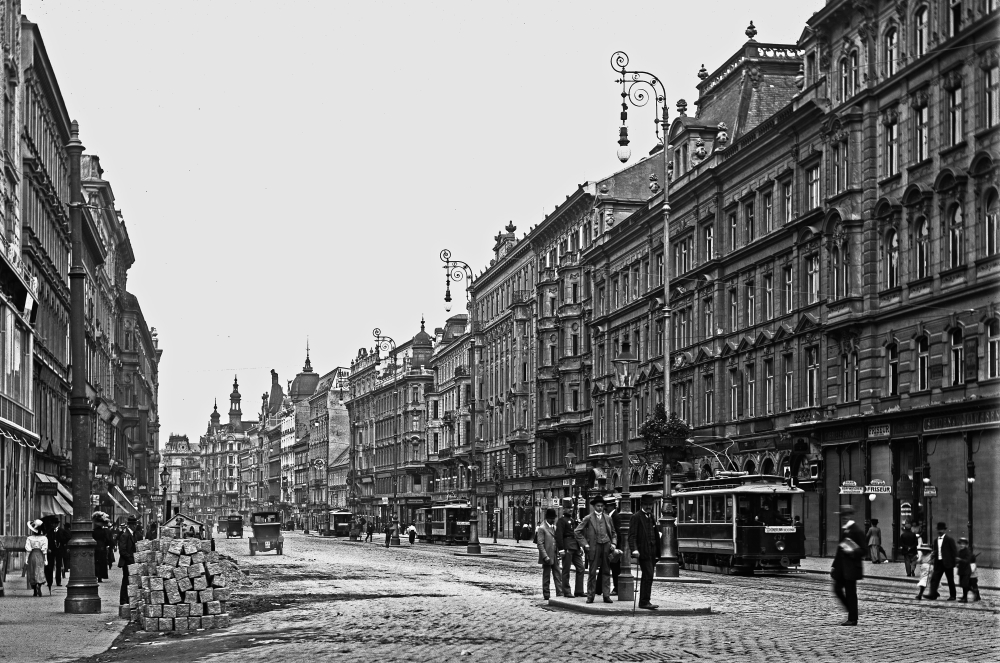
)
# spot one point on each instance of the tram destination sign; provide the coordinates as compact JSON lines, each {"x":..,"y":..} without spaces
{"x":779,"y":529}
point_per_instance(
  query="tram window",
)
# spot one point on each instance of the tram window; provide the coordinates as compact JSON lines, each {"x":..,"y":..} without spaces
{"x":729,"y":508}
{"x":701,"y":508}
{"x":783,"y":509}
{"x":718,"y":508}
{"x":689,"y":510}
{"x":744,"y":510}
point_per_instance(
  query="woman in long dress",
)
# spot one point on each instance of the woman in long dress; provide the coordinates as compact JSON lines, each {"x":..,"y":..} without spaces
{"x":37,"y":547}
{"x":101,"y":548}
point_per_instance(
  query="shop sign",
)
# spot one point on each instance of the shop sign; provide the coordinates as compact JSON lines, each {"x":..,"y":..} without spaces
{"x":906,"y":426}
{"x":849,"y":433}
{"x":877,"y":487}
{"x":930,"y":491}
{"x":851,"y":488}
{"x":877,"y":432}
{"x":128,"y":483}
{"x":95,"y":499}
{"x":46,"y":488}
{"x":964,"y":420}
{"x":567,"y":482}
{"x":905,"y":511}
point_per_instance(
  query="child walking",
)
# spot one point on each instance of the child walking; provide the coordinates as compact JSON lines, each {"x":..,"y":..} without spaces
{"x":925,"y":564}
{"x":967,"y":571}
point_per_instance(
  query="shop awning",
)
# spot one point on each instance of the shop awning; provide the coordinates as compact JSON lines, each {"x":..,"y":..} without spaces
{"x":126,"y":500}
{"x":111,"y":497}
{"x":59,"y":503}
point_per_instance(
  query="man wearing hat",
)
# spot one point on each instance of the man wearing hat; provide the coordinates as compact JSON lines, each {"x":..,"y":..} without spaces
{"x":945,"y":556}
{"x":644,"y":542}
{"x":545,"y":536}
{"x":847,"y":567}
{"x":126,"y":554}
{"x":572,"y":551}
{"x":597,"y":536}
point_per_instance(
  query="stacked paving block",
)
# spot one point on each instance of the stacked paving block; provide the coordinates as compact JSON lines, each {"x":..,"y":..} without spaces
{"x":177,"y":585}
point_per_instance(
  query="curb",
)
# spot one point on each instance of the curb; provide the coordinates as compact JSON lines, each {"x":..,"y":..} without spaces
{"x":468,"y":554}
{"x":664,"y":609}
{"x":684,"y":581}
{"x":910,"y":581}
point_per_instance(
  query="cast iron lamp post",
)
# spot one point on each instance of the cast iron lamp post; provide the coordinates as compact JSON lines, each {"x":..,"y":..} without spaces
{"x":456,"y":270}
{"x":165,"y":484}
{"x":625,"y":368}
{"x":635,"y":89}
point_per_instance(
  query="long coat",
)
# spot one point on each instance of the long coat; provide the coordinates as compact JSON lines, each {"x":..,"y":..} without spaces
{"x":644,"y":536}
{"x":126,"y":548}
{"x":565,"y":539}
{"x":949,"y":551}
{"x":545,"y":535}
{"x":586,"y":536}
{"x":101,"y":552}
{"x":851,"y":550}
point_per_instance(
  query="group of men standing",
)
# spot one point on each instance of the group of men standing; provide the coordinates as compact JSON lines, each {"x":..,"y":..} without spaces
{"x":568,"y":544}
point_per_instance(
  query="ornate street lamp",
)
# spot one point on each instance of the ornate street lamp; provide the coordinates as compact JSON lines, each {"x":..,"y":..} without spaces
{"x":625,"y":365}
{"x":164,"y":483}
{"x":668,"y":437}
{"x":456,"y":270}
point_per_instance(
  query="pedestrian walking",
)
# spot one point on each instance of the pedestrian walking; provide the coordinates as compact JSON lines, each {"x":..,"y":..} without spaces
{"x":63,"y":536}
{"x":644,"y":542}
{"x":126,"y":555}
{"x":908,"y":549}
{"x":388,"y":533}
{"x":153,"y":531}
{"x":53,"y":563}
{"x":571,"y":553}
{"x":545,"y":537}
{"x":847,"y":566}
{"x":966,"y":562}
{"x":369,"y":531}
{"x":411,"y":532}
{"x":945,"y":557}
{"x":875,"y":551}
{"x":925,"y":561}
{"x":101,"y":546}
{"x":596,"y":535}
{"x":616,"y":522}
{"x":517,"y":532}
{"x":37,"y":547}
{"x":525,"y":530}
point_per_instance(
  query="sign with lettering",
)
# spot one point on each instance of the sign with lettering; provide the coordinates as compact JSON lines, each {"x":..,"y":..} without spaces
{"x":964,"y":420}
{"x":880,"y":431}
{"x":780,"y":529}
{"x":850,"y":433}
{"x":930,"y":491}
{"x":877,"y":487}
{"x":851,"y":488}
{"x":905,"y":511}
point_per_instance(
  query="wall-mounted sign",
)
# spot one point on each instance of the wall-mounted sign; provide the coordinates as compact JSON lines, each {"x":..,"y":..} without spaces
{"x":879,"y":431}
{"x":877,"y":487}
{"x":964,"y":420}
{"x":930,"y":491}
{"x":851,"y":488}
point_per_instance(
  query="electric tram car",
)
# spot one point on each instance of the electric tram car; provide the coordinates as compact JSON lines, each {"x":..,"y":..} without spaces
{"x":737,"y":523}
{"x":447,"y":523}
{"x":340,"y":523}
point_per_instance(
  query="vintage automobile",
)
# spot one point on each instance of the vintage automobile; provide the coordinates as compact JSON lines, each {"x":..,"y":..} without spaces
{"x":234,"y":527}
{"x":266,"y":526}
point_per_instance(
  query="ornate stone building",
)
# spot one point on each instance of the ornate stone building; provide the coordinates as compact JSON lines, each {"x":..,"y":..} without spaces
{"x":221,"y":447}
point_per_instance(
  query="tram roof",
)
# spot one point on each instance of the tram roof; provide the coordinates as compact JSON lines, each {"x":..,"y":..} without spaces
{"x":747,"y":483}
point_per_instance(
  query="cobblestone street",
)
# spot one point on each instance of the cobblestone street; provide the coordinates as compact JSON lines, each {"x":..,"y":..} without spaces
{"x":331,"y":599}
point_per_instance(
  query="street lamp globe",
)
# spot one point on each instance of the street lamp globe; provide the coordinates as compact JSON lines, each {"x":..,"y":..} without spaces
{"x":625,"y":366}
{"x":624,"y":151}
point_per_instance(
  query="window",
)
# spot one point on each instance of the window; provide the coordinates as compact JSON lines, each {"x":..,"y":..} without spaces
{"x":751,"y":391}
{"x":855,"y":376}
{"x":837,"y":269}
{"x":923,"y":366}
{"x":990,"y":110}
{"x":683,"y":324}
{"x":812,"y":187}
{"x":890,"y":151}
{"x":890,"y":51}
{"x":709,"y":399}
{"x":921,"y":249}
{"x":840,"y":161}
{"x":788,"y":367}
{"x":733,"y":232}
{"x":921,"y":132}
{"x":751,"y":300}
{"x":749,"y":225}
{"x":810,"y":69}
{"x":954,"y":101}
{"x":954,"y":17}
{"x":855,"y":73}
{"x":767,"y":213}
{"x":734,"y":395}
{"x":921,"y":32}
{"x":659,"y":337}
{"x":787,"y":292}
{"x":626,"y":291}
{"x":993,"y":351}
{"x":768,"y":296}
{"x":955,"y":228}
{"x":890,"y":260}
{"x":659,"y":269}
{"x":575,"y":344}
{"x":614,"y":294}
{"x":733,"y":310}
{"x":892,"y":370}
{"x":812,"y":277}
{"x":845,"y":80}
{"x":845,"y":379}
{"x":786,"y":202}
{"x":708,"y":315}
{"x":991,"y":221}
{"x":957,"y":358}
{"x":685,"y":411}
{"x":769,"y":386}
{"x":709,"y":237}
{"x":812,"y":377}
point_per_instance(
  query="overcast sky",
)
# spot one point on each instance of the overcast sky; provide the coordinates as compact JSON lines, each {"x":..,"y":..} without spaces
{"x":293,"y":169}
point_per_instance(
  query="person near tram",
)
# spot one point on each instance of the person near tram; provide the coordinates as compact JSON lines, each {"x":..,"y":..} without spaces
{"x":847,"y":563}
{"x":597,"y":536}
{"x":644,"y":542}
{"x":571,"y":551}
{"x":545,"y":537}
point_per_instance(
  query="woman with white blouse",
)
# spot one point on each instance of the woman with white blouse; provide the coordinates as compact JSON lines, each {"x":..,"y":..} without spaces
{"x":37,"y":547}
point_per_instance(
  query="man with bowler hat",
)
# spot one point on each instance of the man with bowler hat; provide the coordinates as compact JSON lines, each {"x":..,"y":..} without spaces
{"x":545,"y":536}
{"x":945,"y":556}
{"x":126,"y":555}
{"x":644,"y":542}
{"x":847,"y":565}
{"x":571,"y":550}
{"x":597,"y":536}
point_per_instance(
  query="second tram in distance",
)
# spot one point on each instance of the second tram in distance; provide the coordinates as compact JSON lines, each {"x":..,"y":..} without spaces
{"x":447,"y":523}
{"x":739,"y":523}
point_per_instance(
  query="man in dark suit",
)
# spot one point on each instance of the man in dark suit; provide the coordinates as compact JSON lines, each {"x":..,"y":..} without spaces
{"x":597,"y":536}
{"x":126,"y":555}
{"x":945,"y":557}
{"x":847,"y":566}
{"x":644,"y":542}
{"x":616,"y":521}
{"x":567,"y":544}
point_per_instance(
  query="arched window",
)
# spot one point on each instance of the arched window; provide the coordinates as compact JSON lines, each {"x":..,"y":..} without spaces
{"x":890,"y":51}
{"x":892,"y":370}
{"x":921,"y":249}
{"x":923,"y":367}
{"x":993,"y":349}
{"x":835,"y":265}
{"x":856,"y":376}
{"x":855,"y":73}
{"x":991,"y":223}
{"x":749,"y":467}
{"x":767,"y":467}
{"x":845,"y":79}
{"x":890,"y":260}
{"x":921,"y":32}
{"x":957,"y":358}
{"x":955,"y":229}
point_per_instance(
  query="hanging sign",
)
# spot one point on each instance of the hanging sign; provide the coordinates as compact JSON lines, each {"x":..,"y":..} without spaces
{"x":878,"y":487}
{"x":930,"y":491}
{"x":851,"y":488}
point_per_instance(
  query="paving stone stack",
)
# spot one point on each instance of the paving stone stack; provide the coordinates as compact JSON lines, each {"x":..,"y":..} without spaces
{"x":177,"y":585}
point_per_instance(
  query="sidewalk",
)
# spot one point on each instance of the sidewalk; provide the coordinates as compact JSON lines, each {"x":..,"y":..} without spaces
{"x":988,"y":578}
{"x":38,"y":630}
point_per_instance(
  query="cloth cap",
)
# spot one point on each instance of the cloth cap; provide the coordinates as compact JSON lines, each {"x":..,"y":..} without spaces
{"x":648,"y":498}
{"x":597,"y":500}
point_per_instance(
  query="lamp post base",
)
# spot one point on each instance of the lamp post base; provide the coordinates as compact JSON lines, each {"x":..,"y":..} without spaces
{"x":667,"y":568}
{"x":82,"y":596}
{"x":473,"y":548}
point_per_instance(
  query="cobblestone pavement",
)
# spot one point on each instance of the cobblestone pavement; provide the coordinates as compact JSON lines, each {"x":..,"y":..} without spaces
{"x":331,"y":599}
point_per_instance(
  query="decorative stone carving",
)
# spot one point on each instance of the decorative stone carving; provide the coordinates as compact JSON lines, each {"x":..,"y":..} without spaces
{"x":890,"y":116}
{"x":751,"y":31}
{"x":703,"y":73}
{"x":722,"y":138}
{"x":699,"y":153}
{"x":682,"y":107}
{"x":654,"y":184}
{"x":952,"y":80}
{"x":919,"y":98}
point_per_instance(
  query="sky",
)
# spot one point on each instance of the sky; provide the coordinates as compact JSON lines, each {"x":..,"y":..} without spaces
{"x":291,"y":170}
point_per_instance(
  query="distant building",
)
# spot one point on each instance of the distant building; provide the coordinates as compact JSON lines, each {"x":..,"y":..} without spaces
{"x":220,"y":448}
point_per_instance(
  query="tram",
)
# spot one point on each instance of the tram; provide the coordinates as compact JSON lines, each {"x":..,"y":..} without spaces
{"x":340,"y":522}
{"x":737,"y":523}
{"x":447,"y":523}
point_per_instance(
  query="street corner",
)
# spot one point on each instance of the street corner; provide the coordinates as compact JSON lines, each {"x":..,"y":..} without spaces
{"x":599,"y":607}
{"x":684,"y":581}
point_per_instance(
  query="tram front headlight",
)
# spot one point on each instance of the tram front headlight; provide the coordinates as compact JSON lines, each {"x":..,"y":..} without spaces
{"x":780,"y":545}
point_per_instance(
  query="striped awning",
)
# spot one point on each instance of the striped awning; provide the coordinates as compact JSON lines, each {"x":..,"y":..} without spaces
{"x":127,"y":501}
{"x":59,"y":504}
